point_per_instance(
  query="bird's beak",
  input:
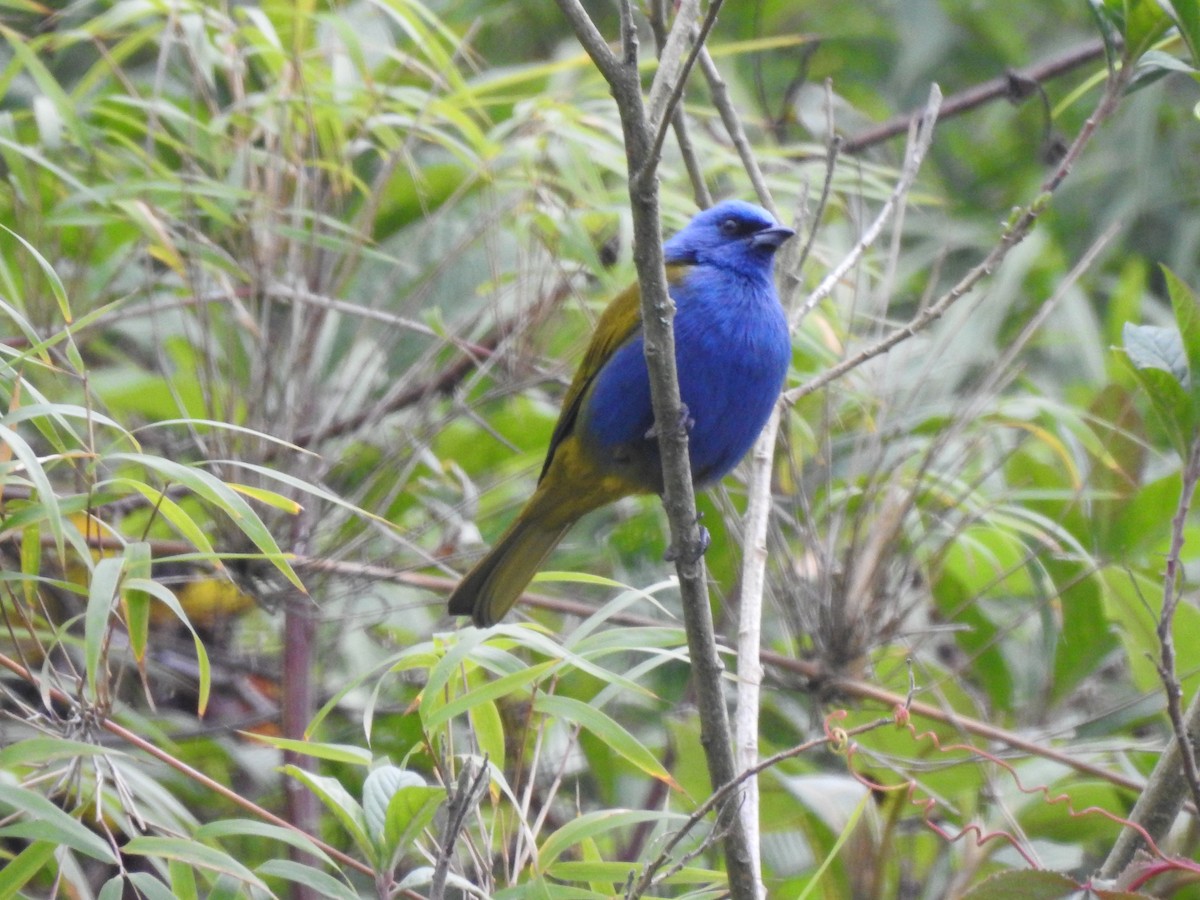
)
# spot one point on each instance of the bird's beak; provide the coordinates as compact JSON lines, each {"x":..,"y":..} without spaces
{"x":771,"y":237}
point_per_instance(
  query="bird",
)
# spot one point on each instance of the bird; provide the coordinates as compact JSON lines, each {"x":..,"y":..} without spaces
{"x":732,"y":352}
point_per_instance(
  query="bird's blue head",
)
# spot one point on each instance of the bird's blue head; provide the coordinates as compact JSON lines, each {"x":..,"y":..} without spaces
{"x":731,"y":235}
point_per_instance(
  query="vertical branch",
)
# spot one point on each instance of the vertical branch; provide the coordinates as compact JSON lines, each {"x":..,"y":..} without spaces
{"x":298,"y":705}
{"x":1174,"y":775}
{"x":679,"y":501}
{"x":1172,"y":575}
{"x":749,"y":645}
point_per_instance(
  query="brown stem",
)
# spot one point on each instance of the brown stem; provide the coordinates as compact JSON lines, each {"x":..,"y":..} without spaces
{"x":184,"y":769}
{"x":1004,"y":86}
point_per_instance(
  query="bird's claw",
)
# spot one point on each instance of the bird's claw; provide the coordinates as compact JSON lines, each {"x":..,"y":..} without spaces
{"x":686,"y":422}
{"x":695,"y":551}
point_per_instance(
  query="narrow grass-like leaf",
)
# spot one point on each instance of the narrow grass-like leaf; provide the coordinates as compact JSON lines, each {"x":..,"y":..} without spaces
{"x":193,"y":853}
{"x":137,"y":603}
{"x":22,"y":868}
{"x":188,"y":528}
{"x":35,"y":472}
{"x":594,"y":824}
{"x":607,"y":729}
{"x":225,"y":498}
{"x":66,"y":829}
{"x":41,"y":750}
{"x":102,"y":593}
{"x":183,"y":880}
{"x":325,"y":884}
{"x":344,"y":753}
{"x":433,"y":715}
{"x":242,"y":828}
{"x":168,"y":599}
{"x":56,"y":285}
{"x":488,"y":729}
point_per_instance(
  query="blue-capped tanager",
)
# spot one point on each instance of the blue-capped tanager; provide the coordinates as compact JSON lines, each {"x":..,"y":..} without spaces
{"x":732,"y":351}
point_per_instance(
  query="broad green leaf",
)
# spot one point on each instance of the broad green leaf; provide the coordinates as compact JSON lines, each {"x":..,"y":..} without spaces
{"x":1187,"y":17}
{"x":1144,"y":23}
{"x":378,"y":789}
{"x":1155,"y":347}
{"x":338,"y":801}
{"x":1187,"y":318}
{"x":1029,"y":885}
{"x":409,"y":812}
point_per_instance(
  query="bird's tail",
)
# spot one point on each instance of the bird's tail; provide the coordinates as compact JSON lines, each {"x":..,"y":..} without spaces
{"x":491,"y":588}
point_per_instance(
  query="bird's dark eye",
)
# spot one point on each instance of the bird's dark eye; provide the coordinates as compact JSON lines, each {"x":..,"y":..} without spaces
{"x":731,"y":227}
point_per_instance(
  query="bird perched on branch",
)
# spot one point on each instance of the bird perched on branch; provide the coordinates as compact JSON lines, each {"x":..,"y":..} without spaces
{"x":732,"y":351}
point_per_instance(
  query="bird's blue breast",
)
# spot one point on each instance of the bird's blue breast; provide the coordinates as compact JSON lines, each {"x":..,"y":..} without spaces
{"x":732,"y":352}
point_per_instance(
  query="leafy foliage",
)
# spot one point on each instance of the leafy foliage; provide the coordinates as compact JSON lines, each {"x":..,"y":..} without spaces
{"x":290,"y":294}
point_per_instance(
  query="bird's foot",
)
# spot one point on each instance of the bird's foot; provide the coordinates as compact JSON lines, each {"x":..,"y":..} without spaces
{"x":695,"y":550}
{"x":686,"y":422}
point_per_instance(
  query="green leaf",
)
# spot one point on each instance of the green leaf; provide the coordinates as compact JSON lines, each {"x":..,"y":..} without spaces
{"x":36,"y":473}
{"x":1029,"y":885}
{"x":594,"y":824}
{"x":344,"y":753}
{"x":1187,"y":17}
{"x":193,"y":853}
{"x":409,"y":812}
{"x":39,"y":751}
{"x":137,"y":603}
{"x":183,"y":880}
{"x":325,"y":884}
{"x":338,"y":801}
{"x":114,"y":889}
{"x":65,"y":829}
{"x":1154,"y":347}
{"x":509,"y":684}
{"x":378,"y":789}
{"x":56,"y":285}
{"x":102,"y":592}
{"x":168,"y":599}
{"x":1144,"y":23}
{"x":607,"y":730}
{"x":240,"y":828}
{"x":153,"y":889}
{"x":18,"y":871}
{"x":488,"y":728}
{"x":226,"y":499}
{"x":1187,"y":317}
